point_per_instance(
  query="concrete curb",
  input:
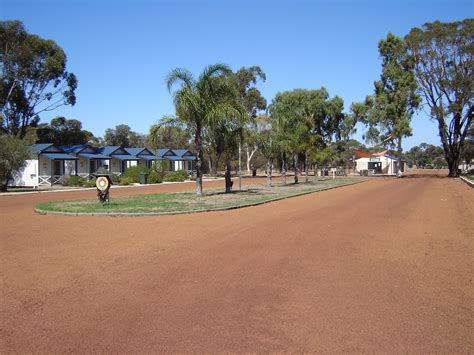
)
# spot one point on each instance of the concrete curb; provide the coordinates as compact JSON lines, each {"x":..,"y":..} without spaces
{"x":148,"y":214}
{"x":467,"y":181}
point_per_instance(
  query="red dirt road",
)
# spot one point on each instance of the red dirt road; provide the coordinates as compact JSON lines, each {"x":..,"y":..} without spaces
{"x":383,"y":266}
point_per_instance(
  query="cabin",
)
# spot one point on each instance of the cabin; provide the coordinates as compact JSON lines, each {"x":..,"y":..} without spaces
{"x":50,"y":164}
{"x":377,"y":163}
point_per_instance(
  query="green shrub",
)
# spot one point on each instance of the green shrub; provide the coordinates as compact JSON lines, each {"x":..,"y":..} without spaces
{"x":64,"y":181}
{"x":154,"y":178}
{"x":161,"y":167}
{"x":133,"y":172}
{"x":126,"y":181}
{"x":89,"y":183}
{"x":115,"y":179}
{"x":76,"y":181}
{"x":176,"y":176}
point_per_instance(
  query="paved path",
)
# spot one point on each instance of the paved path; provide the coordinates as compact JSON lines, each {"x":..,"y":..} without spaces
{"x":384,"y":266}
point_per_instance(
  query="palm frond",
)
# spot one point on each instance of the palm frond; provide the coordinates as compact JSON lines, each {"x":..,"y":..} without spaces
{"x":188,"y":104}
{"x":213,"y":70}
{"x":221,"y":112}
{"x":169,"y":121}
{"x":179,"y":74}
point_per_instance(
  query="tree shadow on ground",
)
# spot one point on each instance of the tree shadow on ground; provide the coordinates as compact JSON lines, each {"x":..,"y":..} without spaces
{"x":422,"y":176}
{"x":235,"y":192}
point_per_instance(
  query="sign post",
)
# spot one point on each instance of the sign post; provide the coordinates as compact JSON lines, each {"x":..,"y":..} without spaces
{"x":103,"y":183}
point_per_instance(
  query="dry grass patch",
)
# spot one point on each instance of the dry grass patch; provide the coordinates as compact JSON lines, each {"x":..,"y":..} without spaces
{"x":182,"y":202}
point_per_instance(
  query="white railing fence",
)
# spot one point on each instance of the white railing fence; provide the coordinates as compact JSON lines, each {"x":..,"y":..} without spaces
{"x":44,"y":180}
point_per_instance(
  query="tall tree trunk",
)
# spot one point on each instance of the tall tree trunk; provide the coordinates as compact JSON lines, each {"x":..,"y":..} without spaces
{"x":199,"y":159}
{"x":228,"y":176}
{"x":306,"y":167}
{"x":215,"y":166}
{"x":240,"y":166}
{"x":453,"y":165}
{"x":211,"y":166}
{"x":283,"y":169}
{"x":295,"y":167}
{"x":451,"y":149}
{"x":248,"y":158}
{"x":399,"y":161}
{"x":269,"y":172}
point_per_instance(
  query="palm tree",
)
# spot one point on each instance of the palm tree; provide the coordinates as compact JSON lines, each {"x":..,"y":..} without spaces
{"x":230,"y":131}
{"x":201,"y":103}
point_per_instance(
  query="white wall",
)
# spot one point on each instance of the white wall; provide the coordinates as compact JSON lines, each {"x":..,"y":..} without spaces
{"x":27,"y":176}
{"x":83,"y":166}
{"x":387,"y":165}
{"x":44,"y":166}
{"x":362,"y":164}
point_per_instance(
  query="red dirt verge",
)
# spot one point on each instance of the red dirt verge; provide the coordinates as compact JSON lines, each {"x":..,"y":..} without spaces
{"x":384,"y":266}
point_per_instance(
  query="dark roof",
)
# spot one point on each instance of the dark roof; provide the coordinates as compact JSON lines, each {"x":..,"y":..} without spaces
{"x":73,"y":148}
{"x":139,"y":151}
{"x":58,"y":156}
{"x":93,"y":156}
{"x":107,"y":152}
{"x":124,"y":157}
{"x":149,"y":157}
{"x":162,"y":152}
{"x":39,"y":147}
{"x":181,"y":152}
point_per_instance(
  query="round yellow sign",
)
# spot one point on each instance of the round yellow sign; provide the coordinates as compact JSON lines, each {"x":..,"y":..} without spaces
{"x":102,"y":183}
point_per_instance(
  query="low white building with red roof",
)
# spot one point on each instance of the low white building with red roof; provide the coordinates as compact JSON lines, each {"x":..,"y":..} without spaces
{"x":377,"y":163}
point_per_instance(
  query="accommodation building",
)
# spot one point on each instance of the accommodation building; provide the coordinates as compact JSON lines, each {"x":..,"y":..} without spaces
{"x":50,"y":164}
{"x":377,"y":163}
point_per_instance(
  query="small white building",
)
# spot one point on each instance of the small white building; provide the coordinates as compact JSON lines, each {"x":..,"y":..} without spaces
{"x":377,"y":163}
{"x":47,"y":165}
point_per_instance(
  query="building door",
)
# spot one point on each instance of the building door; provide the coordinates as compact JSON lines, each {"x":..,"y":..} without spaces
{"x":375,"y":166}
{"x":91,"y":166}
{"x":378,"y":168}
{"x":57,"y":167}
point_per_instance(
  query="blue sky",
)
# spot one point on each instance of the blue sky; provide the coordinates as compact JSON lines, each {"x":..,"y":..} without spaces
{"x":122,"y":50}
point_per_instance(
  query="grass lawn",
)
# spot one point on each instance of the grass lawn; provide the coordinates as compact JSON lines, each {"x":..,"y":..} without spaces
{"x":182,"y":202}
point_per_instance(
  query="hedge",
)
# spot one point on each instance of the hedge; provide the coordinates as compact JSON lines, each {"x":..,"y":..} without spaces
{"x":176,"y":176}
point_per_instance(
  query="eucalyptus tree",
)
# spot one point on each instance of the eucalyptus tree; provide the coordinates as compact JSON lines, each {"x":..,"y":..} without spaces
{"x":389,"y":111}
{"x":308,"y":120}
{"x":62,"y":131}
{"x":201,"y":102}
{"x":424,"y":154}
{"x":299,"y":142}
{"x":253,"y":102}
{"x":227,"y":130}
{"x":322,"y":157}
{"x":467,"y":153}
{"x":443,"y":56}
{"x":13,"y":155}
{"x":168,"y":136}
{"x":33,"y":78}
{"x":267,"y":145}
{"x":230,"y":129}
{"x":123,"y":135}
